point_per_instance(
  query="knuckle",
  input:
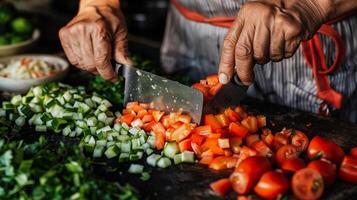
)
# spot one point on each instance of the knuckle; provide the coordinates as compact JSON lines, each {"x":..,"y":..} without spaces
{"x":228,"y":42}
{"x":243,"y":51}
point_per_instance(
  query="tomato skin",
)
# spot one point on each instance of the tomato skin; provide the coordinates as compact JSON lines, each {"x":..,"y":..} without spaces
{"x":232,"y":116}
{"x":348,"y":169}
{"x":280,"y":139}
{"x":221,"y":186}
{"x":238,"y":129}
{"x":262,"y":149}
{"x":251,"y":123}
{"x":248,"y":173}
{"x":292,"y":165}
{"x":223,"y":162}
{"x":307,"y":184}
{"x":272,"y":184}
{"x":212,"y":121}
{"x":286,"y":152}
{"x":300,"y":140}
{"x":327,"y":170}
{"x":328,"y":150}
{"x":353,"y":152}
{"x":251,"y":139}
{"x":268,"y":137}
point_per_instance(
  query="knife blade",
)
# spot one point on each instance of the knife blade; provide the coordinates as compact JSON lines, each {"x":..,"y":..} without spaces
{"x":162,"y":94}
{"x":231,"y":94}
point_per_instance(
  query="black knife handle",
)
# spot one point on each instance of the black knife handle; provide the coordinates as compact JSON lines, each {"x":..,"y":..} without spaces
{"x":119,"y":67}
{"x":236,"y":80}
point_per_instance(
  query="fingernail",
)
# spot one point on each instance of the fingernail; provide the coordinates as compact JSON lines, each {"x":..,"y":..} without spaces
{"x":223,"y":78}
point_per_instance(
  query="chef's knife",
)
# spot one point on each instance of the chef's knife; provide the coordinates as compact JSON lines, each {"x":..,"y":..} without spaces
{"x":231,"y":94}
{"x":162,"y":94}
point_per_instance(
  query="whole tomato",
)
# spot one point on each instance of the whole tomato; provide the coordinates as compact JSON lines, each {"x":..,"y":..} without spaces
{"x":320,"y":147}
{"x":348,"y":169}
{"x":307,"y":184}
{"x":286,"y":152}
{"x":272,"y":184}
{"x":300,"y":140}
{"x":248,"y":173}
{"x":326,"y":168}
{"x":292,"y":165}
{"x":353,"y":152}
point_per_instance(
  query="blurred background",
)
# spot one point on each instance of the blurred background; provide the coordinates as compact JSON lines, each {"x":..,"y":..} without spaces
{"x":146,"y":23}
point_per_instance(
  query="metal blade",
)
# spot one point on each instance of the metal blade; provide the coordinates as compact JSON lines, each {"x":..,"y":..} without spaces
{"x":162,"y":94}
{"x":230,"y":94}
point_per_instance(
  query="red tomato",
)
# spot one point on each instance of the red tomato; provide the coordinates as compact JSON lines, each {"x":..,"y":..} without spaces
{"x":202,"y":88}
{"x":280,"y":139}
{"x":141,"y":114}
{"x":235,"y":144}
{"x":212,"y":121}
{"x":353,"y":152}
{"x":348,"y":169}
{"x":246,"y":152}
{"x":262,"y":121}
{"x":268,"y":137}
{"x":212,"y":80}
{"x":272,"y":184}
{"x":222,"y":119}
{"x":326,"y":149}
{"x":181,"y":132}
{"x":307,"y":184}
{"x":128,"y":118}
{"x":223,"y":162}
{"x":286,"y":152}
{"x":326,"y":168}
{"x":198,"y":139}
{"x":248,"y":173}
{"x":292,"y":165}
{"x":238,"y":129}
{"x":241,"y":112}
{"x":250,"y":139}
{"x":196,"y":149}
{"x":222,"y":186}
{"x":206,"y":160}
{"x":232,"y":116}
{"x":184,"y":118}
{"x":251,"y":123}
{"x":300,"y":140}
{"x":262,"y":149}
{"x":147,"y":118}
{"x":203,"y":130}
{"x":214,"y":89}
{"x":185,"y":145}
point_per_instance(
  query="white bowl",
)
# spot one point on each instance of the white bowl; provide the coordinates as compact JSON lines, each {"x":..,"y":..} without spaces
{"x":23,"y":85}
{"x":21,"y":47}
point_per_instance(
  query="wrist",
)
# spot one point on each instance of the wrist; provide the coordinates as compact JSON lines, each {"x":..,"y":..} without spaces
{"x":112,"y":4}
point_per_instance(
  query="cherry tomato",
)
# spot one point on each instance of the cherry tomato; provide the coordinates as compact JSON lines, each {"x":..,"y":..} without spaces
{"x":292,"y":165}
{"x":307,"y":184}
{"x":286,"y":152}
{"x":348,"y":169}
{"x":280,"y":140}
{"x":320,"y":147}
{"x":222,"y":186}
{"x":353,"y":152}
{"x":300,"y":140}
{"x":326,"y":168}
{"x":272,"y":184}
{"x":248,"y":173}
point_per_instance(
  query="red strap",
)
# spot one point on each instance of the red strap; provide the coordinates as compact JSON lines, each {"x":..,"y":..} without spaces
{"x":312,"y":51}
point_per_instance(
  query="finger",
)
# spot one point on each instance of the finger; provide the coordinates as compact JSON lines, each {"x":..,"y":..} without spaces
{"x":261,"y":44}
{"x":63,"y":35}
{"x":277,"y":44}
{"x":244,"y":55}
{"x":102,"y":56}
{"x":227,"y":62}
{"x":87,"y":52}
{"x":121,"y":54}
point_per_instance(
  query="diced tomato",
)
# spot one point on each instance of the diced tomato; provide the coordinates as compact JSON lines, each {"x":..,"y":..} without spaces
{"x":203,"y":130}
{"x":250,"y":139}
{"x":262,"y":149}
{"x":272,"y":185}
{"x":207,"y":153}
{"x":177,"y":125}
{"x":144,"y":105}
{"x":307,"y":184}
{"x":212,"y":80}
{"x":159,"y":141}
{"x":222,"y":186}
{"x":262,"y":121}
{"x":320,"y":147}
{"x":235,"y":144}
{"x":248,"y":173}
{"x":196,"y":149}
{"x":130,"y":105}
{"x":165,"y":120}
{"x":214,"y":135}
{"x":185,"y":145}
{"x":157,"y":115}
{"x":141,"y":114}
{"x":148,"y":126}
{"x":128,"y":118}
{"x":202,"y":88}
{"x":238,"y":129}
{"x":348,"y":169}
{"x":300,"y":140}
{"x":212,"y":121}
{"x":251,"y":123}
{"x":353,"y":152}
{"x":280,"y":140}
{"x":326,"y":168}
{"x":223,"y":120}
{"x":158,"y":128}
{"x":223,"y":162}
{"x":246,"y":152}
{"x":206,"y":160}
{"x":184,"y":119}
{"x":241,"y":112}
{"x":292,"y":165}
{"x":137,"y":123}
{"x":181,"y":132}
{"x":232,"y":116}
{"x":286,"y":152}
{"x":168,"y":134}
{"x":203,"y":82}
{"x":212,"y":144}
{"x":147,"y":118}
{"x":214,"y":89}
{"x":223,"y":132}
{"x":268,"y":137}
{"x":198,"y":139}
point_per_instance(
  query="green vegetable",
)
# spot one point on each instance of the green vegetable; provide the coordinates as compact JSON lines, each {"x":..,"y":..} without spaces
{"x":171,"y":149}
{"x":17,"y":39}
{"x":22,"y":26}
{"x":7,"y":12}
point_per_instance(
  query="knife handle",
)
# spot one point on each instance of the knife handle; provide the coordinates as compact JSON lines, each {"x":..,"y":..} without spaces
{"x":119,"y":68}
{"x":236,"y":80}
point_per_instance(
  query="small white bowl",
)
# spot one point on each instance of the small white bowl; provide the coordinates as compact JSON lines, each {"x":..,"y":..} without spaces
{"x":23,"y":85}
{"x":21,"y":47}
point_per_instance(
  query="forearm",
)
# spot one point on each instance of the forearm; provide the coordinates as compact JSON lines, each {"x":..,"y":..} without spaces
{"x":114,"y":4}
{"x":342,"y":7}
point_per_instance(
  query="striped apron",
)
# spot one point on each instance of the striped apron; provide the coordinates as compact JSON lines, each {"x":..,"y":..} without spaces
{"x":321,"y":77}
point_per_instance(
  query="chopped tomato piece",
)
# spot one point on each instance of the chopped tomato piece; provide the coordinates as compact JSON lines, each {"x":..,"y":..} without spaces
{"x":214,"y":89}
{"x":181,"y":132}
{"x":232,"y":116}
{"x":157,"y":115}
{"x":300,"y":140}
{"x":272,"y":185}
{"x":168,"y":134}
{"x":348,"y":169}
{"x":246,"y":152}
{"x":223,"y":120}
{"x":202,"y":88}
{"x":141,"y":114}
{"x":158,"y":128}
{"x":251,"y":123}
{"x":198,"y":139}
{"x":212,"y":80}
{"x":130,"y":105}
{"x":235,"y":144}
{"x":207,"y":153}
{"x":353,"y":152}
{"x":214,"y":135}
{"x":223,"y":162}
{"x":159,"y":140}
{"x":212,"y":121}
{"x":250,"y":139}
{"x":196,"y":149}
{"x":238,"y":129}
{"x":268,"y":137}
{"x":147,"y":118}
{"x":262,"y":149}
{"x":222,"y":186}
{"x":262,"y":121}
{"x":165,"y":120}
{"x":206,"y":160}
{"x":241,"y":112}
{"x":203,"y":130}
{"x":176,"y":125}
{"x":185,"y":145}
{"x":184,"y":118}
{"x":212,"y":144}
{"x":280,"y":140}
{"x":148,"y":126}
{"x":128,"y":118}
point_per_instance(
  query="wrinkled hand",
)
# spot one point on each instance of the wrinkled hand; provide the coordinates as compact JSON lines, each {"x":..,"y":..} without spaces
{"x":95,"y":36}
{"x":268,"y":30}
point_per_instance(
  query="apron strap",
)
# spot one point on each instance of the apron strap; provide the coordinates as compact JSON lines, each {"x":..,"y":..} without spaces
{"x":312,"y":51}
